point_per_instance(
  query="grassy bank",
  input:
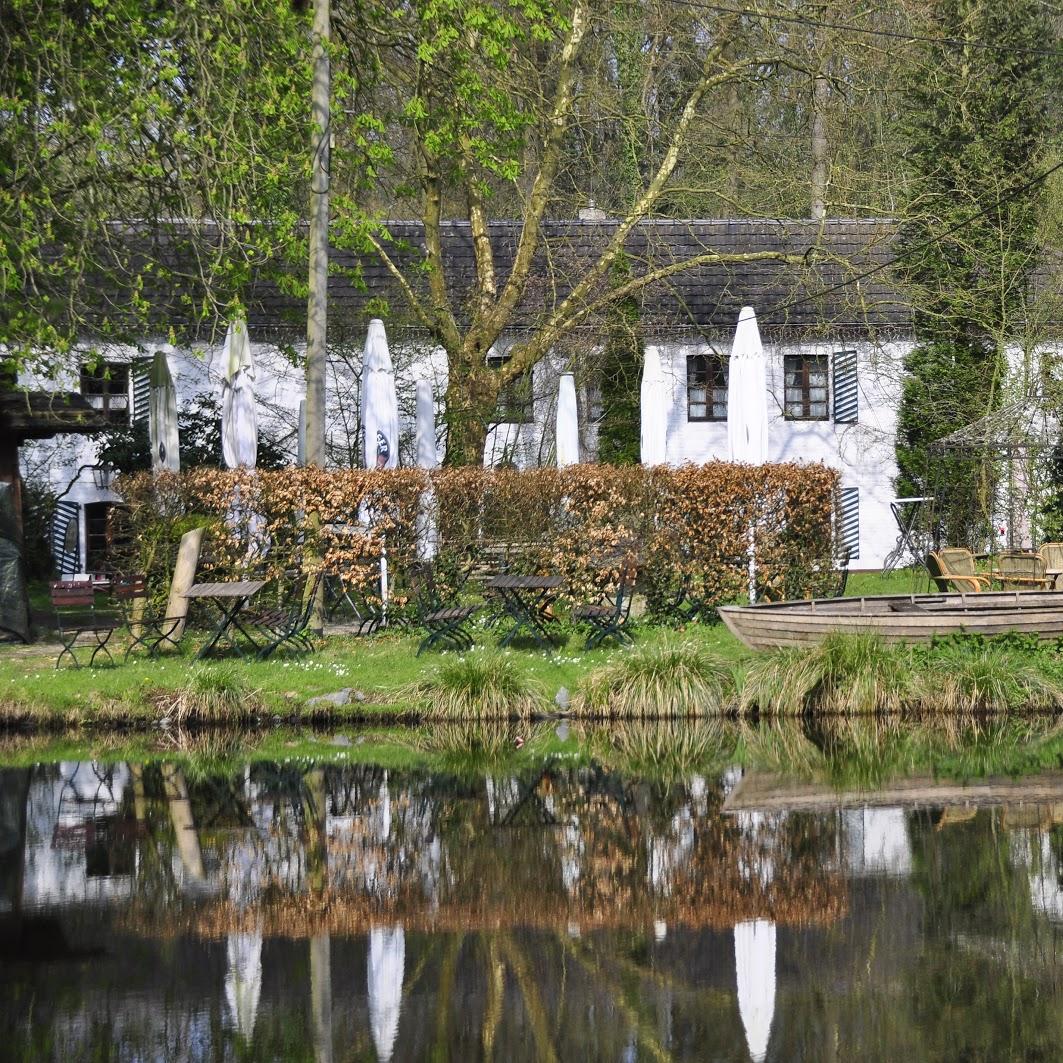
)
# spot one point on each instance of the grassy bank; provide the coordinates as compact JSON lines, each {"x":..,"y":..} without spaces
{"x":701,"y":671}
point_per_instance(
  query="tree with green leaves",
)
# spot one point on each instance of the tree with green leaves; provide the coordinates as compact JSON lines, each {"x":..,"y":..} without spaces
{"x":978,"y":121}
{"x":151,"y":157}
{"x":481,"y":103}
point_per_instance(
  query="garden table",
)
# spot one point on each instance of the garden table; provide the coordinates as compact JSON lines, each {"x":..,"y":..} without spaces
{"x":229,"y":599}
{"x":526,"y":600}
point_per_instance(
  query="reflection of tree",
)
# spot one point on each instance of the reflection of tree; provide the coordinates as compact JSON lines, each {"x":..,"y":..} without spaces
{"x":315,"y":818}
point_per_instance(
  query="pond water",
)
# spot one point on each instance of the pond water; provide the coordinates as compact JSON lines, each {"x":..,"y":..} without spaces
{"x":572,"y":906}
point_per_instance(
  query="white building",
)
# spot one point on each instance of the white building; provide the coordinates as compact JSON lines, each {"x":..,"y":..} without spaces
{"x":835,"y":344}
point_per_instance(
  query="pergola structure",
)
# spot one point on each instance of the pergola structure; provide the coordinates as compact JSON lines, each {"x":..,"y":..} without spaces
{"x":1019,"y":435}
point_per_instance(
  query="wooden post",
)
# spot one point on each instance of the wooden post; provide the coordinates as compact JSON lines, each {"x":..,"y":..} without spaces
{"x":184,"y":575}
{"x":317,"y":303}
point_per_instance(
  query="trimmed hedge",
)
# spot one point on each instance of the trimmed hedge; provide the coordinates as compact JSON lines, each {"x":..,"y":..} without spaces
{"x":690,"y":523}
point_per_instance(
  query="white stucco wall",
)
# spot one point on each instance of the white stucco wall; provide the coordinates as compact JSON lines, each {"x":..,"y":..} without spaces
{"x":862,"y":452}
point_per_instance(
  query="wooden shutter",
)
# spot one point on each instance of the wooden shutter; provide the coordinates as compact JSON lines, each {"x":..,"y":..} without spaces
{"x":846,"y":403}
{"x":848,"y":526}
{"x":140,"y":372}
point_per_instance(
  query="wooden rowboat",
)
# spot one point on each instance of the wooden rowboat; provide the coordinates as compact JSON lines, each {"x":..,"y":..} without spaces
{"x":896,"y":617}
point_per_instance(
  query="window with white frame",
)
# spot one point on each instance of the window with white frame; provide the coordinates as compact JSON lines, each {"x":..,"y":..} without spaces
{"x":515,"y":405}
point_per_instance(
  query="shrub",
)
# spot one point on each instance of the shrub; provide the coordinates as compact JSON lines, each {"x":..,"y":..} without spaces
{"x":690,"y":524}
{"x":667,"y":679}
{"x":211,"y":694}
{"x":480,"y":685}
{"x":843,"y":673}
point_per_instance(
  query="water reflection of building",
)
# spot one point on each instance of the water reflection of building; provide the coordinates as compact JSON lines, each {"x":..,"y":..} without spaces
{"x":428,"y":884}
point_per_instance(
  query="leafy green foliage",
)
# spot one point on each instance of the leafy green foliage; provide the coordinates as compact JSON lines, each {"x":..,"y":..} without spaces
{"x":977,"y":121}
{"x":619,"y":430}
{"x":127,"y":448}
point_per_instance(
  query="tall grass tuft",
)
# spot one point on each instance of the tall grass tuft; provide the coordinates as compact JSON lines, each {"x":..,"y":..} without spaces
{"x":480,"y":685}
{"x":667,"y":679}
{"x":211,"y":694}
{"x":985,"y":678}
{"x":843,"y":673}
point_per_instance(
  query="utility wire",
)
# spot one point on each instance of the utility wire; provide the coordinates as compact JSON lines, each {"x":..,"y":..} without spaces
{"x":915,"y":249}
{"x":850,"y":27}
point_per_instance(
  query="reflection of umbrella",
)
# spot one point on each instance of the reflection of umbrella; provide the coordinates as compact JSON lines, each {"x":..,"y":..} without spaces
{"x":243,"y":981}
{"x":567,"y":431}
{"x":239,"y":421}
{"x":654,"y":405}
{"x":380,"y":404}
{"x":162,"y":417}
{"x":755,"y":973}
{"x":747,"y":393}
{"x":427,"y":458}
{"x":387,"y":958}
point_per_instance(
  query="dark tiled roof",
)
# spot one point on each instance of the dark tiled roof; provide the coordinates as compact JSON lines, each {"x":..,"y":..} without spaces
{"x":705,"y":298}
{"x":40,"y":414}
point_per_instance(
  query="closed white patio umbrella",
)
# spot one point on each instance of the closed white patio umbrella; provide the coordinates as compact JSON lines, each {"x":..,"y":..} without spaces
{"x":427,"y":458}
{"x":380,"y":404}
{"x":239,"y":420}
{"x":387,"y":960}
{"x":747,"y":393}
{"x":755,"y":975}
{"x":566,"y":434}
{"x":654,"y":404}
{"x":747,"y":410}
{"x":162,"y":417}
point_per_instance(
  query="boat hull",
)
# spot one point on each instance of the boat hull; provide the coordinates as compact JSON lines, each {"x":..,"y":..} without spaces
{"x":896,"y":618}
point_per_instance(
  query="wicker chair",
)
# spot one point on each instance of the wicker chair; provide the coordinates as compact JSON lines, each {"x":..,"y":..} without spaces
{"x":1053,"y":555}
{"x":1019,"y":570}
{"x":949,"y":579}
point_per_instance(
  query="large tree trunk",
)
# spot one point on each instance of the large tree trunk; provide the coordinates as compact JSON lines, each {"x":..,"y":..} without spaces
{"x":472,"y":398}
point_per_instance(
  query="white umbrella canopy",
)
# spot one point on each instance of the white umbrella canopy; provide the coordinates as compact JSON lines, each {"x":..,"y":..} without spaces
{"x":380,"y":404}
{"x":427,"y":454}
{"x":243,"y":981}
{"x":427,"y":458}
{"x":747,"y":393}
{"x":566,"y":434}
{"x":755,"y":974}
{"x":654,"y":406}
{"x":387,"y":959}
{"x":239,"y":420}
{"x":162,"y":417}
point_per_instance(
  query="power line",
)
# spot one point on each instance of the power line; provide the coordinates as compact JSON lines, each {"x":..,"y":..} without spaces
{"x":850,"y":27}
{"x":915,"y":249}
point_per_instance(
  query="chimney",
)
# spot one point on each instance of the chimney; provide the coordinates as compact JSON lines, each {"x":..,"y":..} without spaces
{"x":592,"y":213}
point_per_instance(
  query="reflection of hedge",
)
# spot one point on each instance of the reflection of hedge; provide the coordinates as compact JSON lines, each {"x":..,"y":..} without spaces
{"x":693,"y":522}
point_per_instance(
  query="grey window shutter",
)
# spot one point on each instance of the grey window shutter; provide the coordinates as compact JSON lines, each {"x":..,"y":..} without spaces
{"x":846,"y":403}
{"x":140,"y":374}
{"x":849,"y":521}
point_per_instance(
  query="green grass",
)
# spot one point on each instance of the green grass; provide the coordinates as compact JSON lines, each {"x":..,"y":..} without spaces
{"x":484,"y":684}
{"x":670,"y":678}
{"x":390,"y":677}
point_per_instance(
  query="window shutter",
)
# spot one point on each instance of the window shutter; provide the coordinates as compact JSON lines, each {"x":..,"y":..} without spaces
{"x":848,"y":525}
{"x":846,"y":403}
{"x":141,"y":372}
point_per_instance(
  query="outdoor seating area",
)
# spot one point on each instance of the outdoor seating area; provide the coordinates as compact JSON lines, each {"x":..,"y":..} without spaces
{"x":956,"y":568}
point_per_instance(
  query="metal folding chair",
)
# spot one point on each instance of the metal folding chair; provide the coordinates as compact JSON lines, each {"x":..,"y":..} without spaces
{"x":74,"y":603}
